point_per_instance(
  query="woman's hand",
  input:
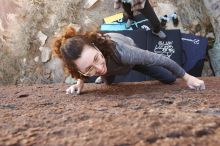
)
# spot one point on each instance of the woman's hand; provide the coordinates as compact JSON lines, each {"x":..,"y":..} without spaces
{"x":193,"y":82}
{"x":137,"y":5}
{"x":76,"y":88}
{"x":117,"y":4}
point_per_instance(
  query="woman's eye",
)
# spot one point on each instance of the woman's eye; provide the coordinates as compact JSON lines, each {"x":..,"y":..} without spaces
{"x":89,"y":69}
{"x":96,"y":59}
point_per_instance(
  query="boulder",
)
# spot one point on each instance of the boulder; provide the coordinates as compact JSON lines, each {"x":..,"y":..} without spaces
{"x":213,"y":11}
{"x":45,"y":54}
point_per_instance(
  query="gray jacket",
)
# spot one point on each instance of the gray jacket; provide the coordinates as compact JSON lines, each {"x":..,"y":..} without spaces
{"x":128,"y":55}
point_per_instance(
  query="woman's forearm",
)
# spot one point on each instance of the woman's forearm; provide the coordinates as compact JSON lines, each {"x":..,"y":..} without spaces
{"x":80,"y":81}
{"x":186,"y":76}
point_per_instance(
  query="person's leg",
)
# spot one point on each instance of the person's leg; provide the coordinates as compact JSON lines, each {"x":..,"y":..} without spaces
{"x":157,"y":72}
{"x":127,"y":9}
{"x":149,"y":13}
{"x":109,"y":79}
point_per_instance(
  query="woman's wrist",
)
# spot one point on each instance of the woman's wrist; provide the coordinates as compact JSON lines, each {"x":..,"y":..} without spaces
{"x":186,"y":76}
{"x":80,"y":81}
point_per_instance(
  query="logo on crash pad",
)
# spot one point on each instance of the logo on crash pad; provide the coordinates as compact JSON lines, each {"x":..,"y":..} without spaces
{"x":165,"y":48}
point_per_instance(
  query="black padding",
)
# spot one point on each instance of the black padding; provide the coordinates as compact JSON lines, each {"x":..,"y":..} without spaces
{"x":170,"y":47}
{"x":196,"y":71}
{"x":194,"y":48}
{"x":141,"y":23}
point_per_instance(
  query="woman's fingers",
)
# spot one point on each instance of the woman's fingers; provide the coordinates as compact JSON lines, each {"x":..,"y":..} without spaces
{"x":78,"y":90}
{"x":72,"y":90}
{"x":191,"y":87}
{"x":196,"y":85}
{"x":199,"y":85}
{"x":68,"y":90}
{"x":203,"y":86}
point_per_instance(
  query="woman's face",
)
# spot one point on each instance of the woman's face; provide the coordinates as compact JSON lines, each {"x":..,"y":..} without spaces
{"x":91,"y":62}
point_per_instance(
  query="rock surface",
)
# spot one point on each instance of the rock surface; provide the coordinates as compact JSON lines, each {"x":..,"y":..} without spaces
{"x":146,"y":113}
{"x":213,"y":10}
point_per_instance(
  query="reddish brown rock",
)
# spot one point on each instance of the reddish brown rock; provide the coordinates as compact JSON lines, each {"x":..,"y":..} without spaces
{"x":138,"y":114}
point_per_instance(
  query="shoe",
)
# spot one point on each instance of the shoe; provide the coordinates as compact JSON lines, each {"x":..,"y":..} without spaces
{"x":163,"y":21}
{"x":129,"y":23}
{"x":160,"y":34}
{"x":99,"y":80}
{"x":175,"y":19}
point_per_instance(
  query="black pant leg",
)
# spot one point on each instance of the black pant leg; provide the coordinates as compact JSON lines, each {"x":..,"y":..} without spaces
{"x":127,"y":9}
{"x":109,"y":79}
{"x":149,"y":13}
{"x":157,"y":72}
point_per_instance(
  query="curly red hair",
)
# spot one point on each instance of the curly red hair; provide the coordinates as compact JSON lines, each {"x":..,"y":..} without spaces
{"x":68,"y":47}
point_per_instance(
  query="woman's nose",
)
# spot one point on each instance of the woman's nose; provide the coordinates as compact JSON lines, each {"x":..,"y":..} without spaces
{"x":98,"y":67}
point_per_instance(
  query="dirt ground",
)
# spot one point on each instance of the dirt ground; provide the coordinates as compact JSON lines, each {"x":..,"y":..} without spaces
{"x":144,"y":113}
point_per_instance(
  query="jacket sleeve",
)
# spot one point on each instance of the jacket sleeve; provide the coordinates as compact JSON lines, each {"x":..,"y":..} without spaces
{"x":117,"y":37}
{"x":131,"y":55}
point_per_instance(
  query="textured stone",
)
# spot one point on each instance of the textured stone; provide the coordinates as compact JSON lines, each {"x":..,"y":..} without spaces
{"x":57,"y":70}
{"x":89,"y":3}
{"x":50,"y":117}
{"x":42,"y":38}
{"x":45,"y":54}
{"x":36,"y":59}
{"x":213,"y":10}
